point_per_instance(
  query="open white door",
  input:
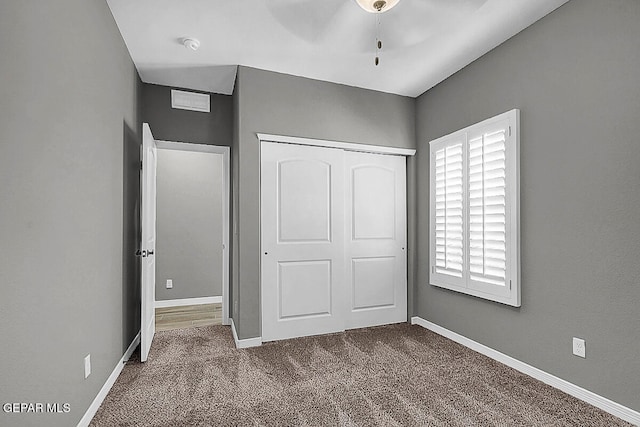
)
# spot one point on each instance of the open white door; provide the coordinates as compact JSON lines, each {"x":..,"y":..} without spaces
{"x":148,"y":217}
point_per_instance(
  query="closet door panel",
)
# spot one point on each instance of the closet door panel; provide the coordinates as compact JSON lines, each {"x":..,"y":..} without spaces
{"x":302,"y":228}
{"x":370,"y":278}
{"x":375,"y":248}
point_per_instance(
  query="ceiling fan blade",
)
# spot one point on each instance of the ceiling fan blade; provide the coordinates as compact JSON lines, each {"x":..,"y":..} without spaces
{"x":414,"y":21}
{"x":305,"y":19}
{"x":352,"y":29}
{"x":443,"y":6}
{"x":343,"y":23}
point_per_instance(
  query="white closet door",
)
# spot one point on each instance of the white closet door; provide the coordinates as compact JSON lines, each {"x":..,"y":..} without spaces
{"x":375,"y":187}
{"x":303,"y":264}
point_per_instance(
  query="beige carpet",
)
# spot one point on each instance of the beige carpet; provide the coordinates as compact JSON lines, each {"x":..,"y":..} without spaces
{"x":388,"y":376}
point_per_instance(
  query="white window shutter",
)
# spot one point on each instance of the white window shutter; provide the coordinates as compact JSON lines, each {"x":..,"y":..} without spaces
{"x":474,"y":210}
{"x":447,"y":211}
{"x":449,"y":216}
{"x":487,"y":196}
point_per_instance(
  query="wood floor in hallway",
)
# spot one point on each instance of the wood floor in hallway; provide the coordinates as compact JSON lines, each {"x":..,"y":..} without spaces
{"x":188,"y":316}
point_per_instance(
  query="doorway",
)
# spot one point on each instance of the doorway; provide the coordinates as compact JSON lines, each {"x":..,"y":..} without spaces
{"x":192,"y":257}
{"x":187,"y":213}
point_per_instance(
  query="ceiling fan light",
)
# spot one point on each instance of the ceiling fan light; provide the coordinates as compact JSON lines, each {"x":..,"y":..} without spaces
{"x":377,"y":6}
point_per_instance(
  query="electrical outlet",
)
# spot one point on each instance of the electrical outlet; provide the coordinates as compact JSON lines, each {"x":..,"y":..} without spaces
{"x":579,"y":347}
{"x":169,"y":283}
{"x":87,"y":365}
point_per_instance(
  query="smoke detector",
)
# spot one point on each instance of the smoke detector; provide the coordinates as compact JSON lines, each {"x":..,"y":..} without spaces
{"x":191,"y":43}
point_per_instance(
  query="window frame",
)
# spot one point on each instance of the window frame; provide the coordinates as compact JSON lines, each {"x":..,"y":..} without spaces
{"x":509,"y":293}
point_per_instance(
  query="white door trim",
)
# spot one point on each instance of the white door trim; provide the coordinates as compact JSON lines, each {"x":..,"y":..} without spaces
{"x":188,"y":146}
{"x":187,"y":301}
{"x":226,"y":191}
{"x":349,"y":146}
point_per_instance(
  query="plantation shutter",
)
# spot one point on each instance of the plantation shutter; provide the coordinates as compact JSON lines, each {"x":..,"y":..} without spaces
{"x":487,"y":207}
{"x":474,"y":210}
{"x":449,"y":210}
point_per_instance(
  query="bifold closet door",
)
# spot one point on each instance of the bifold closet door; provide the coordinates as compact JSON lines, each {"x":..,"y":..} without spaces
{"x":302,"y":228}
{"x":376,"y":239}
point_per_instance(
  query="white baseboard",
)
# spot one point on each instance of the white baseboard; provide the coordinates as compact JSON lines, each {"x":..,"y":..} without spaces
{"x":590,"y":397}
{"x":247,"y":342}
{"x":188,"y":301}
{"x":93,"y":408}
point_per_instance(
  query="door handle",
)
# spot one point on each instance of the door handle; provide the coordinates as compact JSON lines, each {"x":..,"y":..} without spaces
{"x":144,"y":254}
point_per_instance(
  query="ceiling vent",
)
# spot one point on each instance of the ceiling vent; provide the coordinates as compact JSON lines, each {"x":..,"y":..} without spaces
{"x":190,"y":101}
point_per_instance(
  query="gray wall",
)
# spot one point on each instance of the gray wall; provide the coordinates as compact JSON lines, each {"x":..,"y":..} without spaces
{"x":574,"y":75}
{"x":170,"y":124}
{"x":69,"y":144}
{"x":189,"y":224}
{"x":286,"y":105}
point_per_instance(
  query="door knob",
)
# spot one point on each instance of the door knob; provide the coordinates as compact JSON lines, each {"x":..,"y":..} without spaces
{"x":151,"y":252}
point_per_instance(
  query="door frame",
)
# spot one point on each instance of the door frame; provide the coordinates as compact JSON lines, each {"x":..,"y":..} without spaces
{"x":347,"y":146}
{"x":226,"y":192}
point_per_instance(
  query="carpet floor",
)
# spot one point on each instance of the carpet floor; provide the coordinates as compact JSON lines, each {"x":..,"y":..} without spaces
{"x":397,"y":375}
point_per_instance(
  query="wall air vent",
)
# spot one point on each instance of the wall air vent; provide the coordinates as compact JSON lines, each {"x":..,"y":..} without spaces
{"x":190,"y":101}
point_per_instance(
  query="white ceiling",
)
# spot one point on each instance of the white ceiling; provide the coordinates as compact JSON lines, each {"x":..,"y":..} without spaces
{"x":424,"y":41}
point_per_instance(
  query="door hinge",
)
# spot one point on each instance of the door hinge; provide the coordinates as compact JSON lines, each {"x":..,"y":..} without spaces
{"x":141,"y":165}
{"x":509,"y":284}
{"x":509,"y":130}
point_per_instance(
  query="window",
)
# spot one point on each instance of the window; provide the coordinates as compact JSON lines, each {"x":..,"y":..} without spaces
{"x":474,"y":218}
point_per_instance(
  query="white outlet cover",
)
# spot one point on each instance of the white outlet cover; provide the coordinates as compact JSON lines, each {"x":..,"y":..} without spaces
{"x":87,"y":366}
{"x":579,"y":347}
{"x":169,"y":283}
